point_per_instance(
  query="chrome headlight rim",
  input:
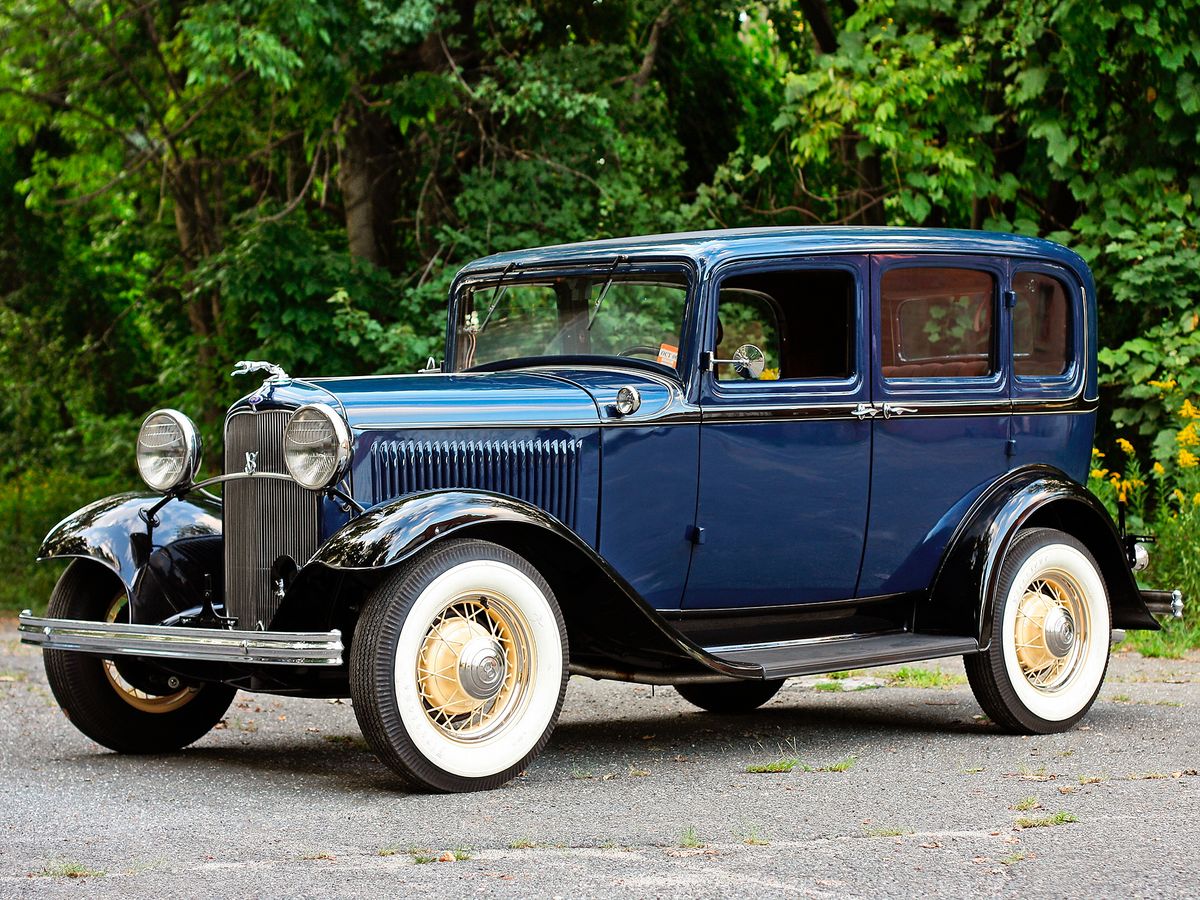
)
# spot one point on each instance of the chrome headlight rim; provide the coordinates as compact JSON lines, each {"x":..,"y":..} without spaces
{"x":193,"y":451}
{"x":341,"y":447}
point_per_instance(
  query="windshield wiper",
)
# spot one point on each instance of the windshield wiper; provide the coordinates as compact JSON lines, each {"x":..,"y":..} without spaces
{"x":496,"y":295}
{"x":612,"y":273}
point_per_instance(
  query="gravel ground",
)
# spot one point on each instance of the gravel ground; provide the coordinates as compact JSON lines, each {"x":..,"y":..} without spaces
{"x":637,"y":795}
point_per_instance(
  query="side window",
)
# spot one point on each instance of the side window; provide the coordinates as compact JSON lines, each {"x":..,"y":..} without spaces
{"x":802,"y":319}
{"x":1041,"y":325}
{"x":937,"y":323}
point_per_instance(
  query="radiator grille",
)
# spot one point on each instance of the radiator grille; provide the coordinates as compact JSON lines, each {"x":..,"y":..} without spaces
{"x":264,"y":518}
{"x":543,"y":473}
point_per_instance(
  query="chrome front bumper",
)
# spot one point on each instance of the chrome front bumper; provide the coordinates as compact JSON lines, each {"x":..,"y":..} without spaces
{"x":278,"y":648}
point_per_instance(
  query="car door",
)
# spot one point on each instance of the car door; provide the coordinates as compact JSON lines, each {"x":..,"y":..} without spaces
{"x":784,"y":459}
{"x":940,"y":345}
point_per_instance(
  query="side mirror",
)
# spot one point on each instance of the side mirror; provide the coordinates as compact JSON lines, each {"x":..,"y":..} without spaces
{"x":748,"y":361}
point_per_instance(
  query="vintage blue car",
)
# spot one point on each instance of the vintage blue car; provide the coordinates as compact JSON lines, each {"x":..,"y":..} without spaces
{"x":711,"y":460}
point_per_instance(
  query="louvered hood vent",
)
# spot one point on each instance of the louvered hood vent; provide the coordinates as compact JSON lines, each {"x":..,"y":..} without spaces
{"x":544,"y":473}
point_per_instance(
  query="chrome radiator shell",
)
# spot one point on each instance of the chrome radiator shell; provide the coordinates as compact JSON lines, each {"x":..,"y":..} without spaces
{"x":265,"y":519}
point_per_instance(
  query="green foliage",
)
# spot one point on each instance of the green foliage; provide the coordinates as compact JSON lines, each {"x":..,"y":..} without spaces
{"x":183,"y":185}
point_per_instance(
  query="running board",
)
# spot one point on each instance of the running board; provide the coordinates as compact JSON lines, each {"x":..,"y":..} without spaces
{"x":814,"y":657}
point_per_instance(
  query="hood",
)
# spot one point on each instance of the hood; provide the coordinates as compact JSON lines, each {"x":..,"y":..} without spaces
{"x":493,"y":398}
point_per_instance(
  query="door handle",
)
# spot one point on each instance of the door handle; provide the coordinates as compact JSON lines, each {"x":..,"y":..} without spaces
{"x":865,"y":411}
{"x":890,"y":409}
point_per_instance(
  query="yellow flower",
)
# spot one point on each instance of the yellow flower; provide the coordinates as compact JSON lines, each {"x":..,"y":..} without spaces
{"x":1187,"y":436}
{"x":1187,"y":460}
{"x":1126,"y":447}
{"x":1196,"y":499}
{"x":1189,"y":411}
{"x":1177,"y":494}
{"x":1099,"y":473}
{"x":1168,"y":385}
{"x":1159,"y":470}
{"x":769,"y":375}
{"x":1096,"y":453}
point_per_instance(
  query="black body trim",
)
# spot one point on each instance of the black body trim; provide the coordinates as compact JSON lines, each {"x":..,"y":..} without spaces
{"x":962,"y":596}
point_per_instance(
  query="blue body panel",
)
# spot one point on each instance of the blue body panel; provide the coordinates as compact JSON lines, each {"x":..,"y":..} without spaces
{"x":787,"y":506}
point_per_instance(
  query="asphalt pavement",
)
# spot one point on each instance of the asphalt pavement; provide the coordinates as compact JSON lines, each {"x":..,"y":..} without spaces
{"x":898,"y":786}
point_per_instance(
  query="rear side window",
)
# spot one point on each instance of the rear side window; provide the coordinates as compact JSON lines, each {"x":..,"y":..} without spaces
{"x":1041,"y":325}
{"x":937,"y":323}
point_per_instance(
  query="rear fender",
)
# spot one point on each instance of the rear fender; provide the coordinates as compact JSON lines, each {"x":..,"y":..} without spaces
{"x":962,"y":596}
{"x":609,"y":624}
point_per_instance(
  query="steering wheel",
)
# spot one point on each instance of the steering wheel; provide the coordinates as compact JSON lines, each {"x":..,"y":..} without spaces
{"x":639,"y":350}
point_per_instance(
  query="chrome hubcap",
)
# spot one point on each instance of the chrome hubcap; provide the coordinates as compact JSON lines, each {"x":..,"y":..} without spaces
{"x":481,"y":668}
{"x":1059,"y":632}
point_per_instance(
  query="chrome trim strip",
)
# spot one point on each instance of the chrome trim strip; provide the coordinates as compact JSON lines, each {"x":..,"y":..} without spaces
{"x":278,"y":648}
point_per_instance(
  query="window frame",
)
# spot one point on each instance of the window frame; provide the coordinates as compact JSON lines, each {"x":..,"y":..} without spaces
{"x":994,"y":386}
{"x":791,"y":391}
{"x":1070,"y":382}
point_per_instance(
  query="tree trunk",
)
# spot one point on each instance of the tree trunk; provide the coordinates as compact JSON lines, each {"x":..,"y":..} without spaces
{"x":354,"y":181}
{"x":198,"y":239}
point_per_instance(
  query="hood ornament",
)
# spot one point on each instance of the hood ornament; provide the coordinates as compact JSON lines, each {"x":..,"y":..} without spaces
{"x":275,"y":376}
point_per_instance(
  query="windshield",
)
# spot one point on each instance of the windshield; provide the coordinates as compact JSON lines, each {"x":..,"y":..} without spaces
{"x":638,"y":316}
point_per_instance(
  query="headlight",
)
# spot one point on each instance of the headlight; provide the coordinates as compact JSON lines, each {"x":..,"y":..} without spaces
{"x":168,"y":450}
{"x":316,"y":446}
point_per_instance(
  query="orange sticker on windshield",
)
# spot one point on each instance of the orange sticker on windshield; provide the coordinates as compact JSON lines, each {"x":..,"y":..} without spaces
{"x":668,"y":355}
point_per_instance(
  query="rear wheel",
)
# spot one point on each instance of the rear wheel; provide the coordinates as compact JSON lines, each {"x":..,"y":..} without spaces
{"x":731,"y":697}
{"x":1051,"y":631}
{"x":458,"y":667}
{"x":121,"y":703}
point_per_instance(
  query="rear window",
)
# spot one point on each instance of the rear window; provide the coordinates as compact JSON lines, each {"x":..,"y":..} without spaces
{"x":1041,"y":325}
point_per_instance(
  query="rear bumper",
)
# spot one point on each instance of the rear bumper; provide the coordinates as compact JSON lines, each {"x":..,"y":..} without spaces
{"x":280,"y":648}
{"x":1164,"y":603}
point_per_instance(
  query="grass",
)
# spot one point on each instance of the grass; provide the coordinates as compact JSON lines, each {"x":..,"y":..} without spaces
{"x":319,"y":855}
{"x":913,"y":677}
{"x":1014,"y":857}
{"x":789,"y":763}
{"x":1177,"y":637}
{"x":635,"y":772}
{"x":828,"y":686}
{"x":522,"y":844}
{"x":1059,"y":818}
{"x":753,"y":837}
{"x":581,"y":774}
{"x":70,"y":870}
{"x":1090,"y":779}
{"x":887,"y":832}
{"x":1120,"y":698}
{"x":1027,"y":804}
{"x":784,"y":764}
{"x":689,"y":838}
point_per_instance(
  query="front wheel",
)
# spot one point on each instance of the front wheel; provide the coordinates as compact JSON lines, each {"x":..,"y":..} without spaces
{"x":731,"y":697}
{"x":1051,"y":631}
{"x":121,"y":703}
{"x":458,"y":667}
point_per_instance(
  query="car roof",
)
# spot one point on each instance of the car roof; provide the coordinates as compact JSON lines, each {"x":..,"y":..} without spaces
{"x":710,"y":247}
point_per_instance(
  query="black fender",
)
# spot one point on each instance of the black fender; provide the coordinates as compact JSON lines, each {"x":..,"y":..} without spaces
{"x":609,"y":624}
{"x":962,"y":594}
{"x":163,"y":566}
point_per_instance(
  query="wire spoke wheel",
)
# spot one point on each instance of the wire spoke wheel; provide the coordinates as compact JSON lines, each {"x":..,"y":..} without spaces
{"x":458,"y":667}
{"x":1050,"y":624}
{"x":474,"y":666}
{"x":1051,"y":630}
{"x":136,"y":697}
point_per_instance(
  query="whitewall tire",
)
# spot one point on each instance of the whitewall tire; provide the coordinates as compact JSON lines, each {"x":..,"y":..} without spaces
{"x":1051,"y":632}
{"x":459,"y":667}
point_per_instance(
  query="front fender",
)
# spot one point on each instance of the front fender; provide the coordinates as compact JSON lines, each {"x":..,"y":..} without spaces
{"x":962,"y":596}
{"x":607,"y":619}
{"x":112,"y":532}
